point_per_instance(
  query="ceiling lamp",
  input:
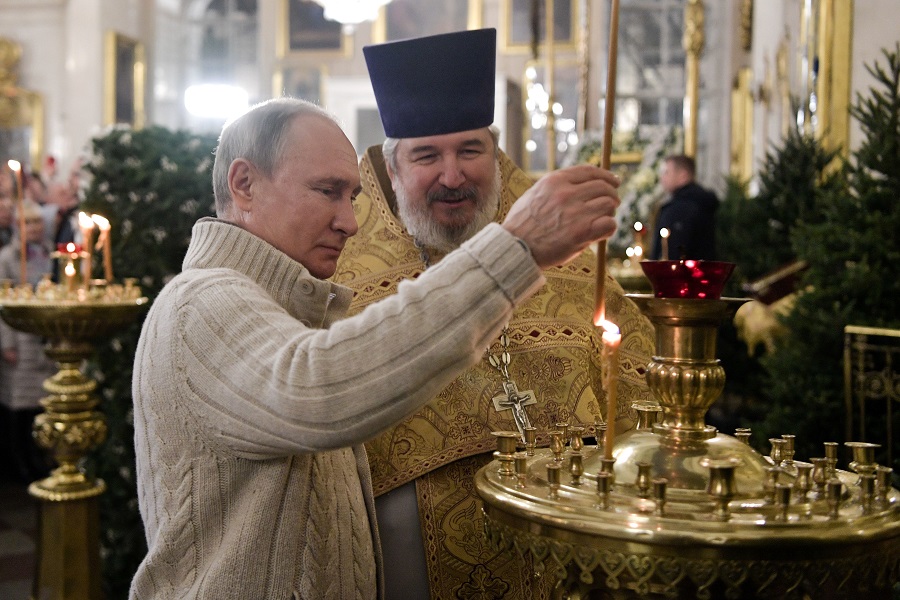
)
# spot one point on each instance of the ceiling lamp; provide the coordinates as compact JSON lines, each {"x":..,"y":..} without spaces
{"x":351,"y":12}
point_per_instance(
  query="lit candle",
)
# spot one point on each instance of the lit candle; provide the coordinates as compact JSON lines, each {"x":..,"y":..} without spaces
{"x":20,"y":203}
{"x":664,"y":236}
{"x":86,"y":224}
{"x":104,"y":242}
{"x":611,"y":338}
{"x":70,"y":276}
{"x":638,"y":239}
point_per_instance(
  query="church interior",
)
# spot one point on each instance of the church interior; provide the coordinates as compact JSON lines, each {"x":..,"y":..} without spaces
{"x":790,"y":113}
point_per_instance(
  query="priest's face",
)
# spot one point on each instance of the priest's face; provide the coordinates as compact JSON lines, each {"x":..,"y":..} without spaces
{"x":447,"y":186}
{"x":305,"y":207}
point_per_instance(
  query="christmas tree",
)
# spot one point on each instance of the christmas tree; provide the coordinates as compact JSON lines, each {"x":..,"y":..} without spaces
{"x":849,"y":238}
{"x":152,"y":185}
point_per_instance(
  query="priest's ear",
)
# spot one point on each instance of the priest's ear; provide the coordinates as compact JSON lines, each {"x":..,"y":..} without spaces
{"x":241,"y":175}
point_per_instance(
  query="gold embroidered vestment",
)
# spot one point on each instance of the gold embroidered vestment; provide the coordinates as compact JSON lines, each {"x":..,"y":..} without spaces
{"x":555,"y":351}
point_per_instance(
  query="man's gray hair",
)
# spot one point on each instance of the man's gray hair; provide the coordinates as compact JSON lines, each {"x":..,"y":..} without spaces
{"x":258,"y":136}
{"x":389,"y":148}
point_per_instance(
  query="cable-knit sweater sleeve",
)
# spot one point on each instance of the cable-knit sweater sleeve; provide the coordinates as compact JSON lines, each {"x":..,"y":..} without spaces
{"x":260,"y":377}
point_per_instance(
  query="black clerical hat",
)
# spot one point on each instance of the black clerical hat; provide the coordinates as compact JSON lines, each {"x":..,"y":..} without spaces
{"x":436,"y":84}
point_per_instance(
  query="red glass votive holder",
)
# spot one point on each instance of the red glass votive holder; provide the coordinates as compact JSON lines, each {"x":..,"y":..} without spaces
{"x":701,"y":279}
{"x":63,"y":248}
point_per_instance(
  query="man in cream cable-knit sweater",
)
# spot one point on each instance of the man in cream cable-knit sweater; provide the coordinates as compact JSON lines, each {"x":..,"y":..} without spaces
{"x":252,"y":398}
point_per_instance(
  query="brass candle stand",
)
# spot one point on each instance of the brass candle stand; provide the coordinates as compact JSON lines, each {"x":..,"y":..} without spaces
{"x":71,"y":321}
{"x":683,"y":511}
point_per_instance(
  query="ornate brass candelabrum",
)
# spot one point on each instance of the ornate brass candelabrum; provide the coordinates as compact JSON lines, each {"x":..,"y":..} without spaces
{"x":683,"y":511}
{"x":70,"y":426}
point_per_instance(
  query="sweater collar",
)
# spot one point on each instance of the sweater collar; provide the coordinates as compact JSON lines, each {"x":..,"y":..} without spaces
{"x":217,"y":244}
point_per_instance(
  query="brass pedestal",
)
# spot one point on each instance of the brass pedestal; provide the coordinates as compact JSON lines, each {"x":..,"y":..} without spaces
{"x":686,"y":512}
{"x":69,"y":545}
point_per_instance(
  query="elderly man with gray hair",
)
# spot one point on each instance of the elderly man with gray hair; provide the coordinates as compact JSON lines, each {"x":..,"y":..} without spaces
{"x":253,"y":395}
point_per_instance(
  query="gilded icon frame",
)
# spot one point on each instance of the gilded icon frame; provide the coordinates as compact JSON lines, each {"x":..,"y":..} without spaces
{"x":299,"y":81}
{"x":21,"y":112}
{"x":305,"y":31}
{"x":125,"y":80}
{"x":516,"y":34}
{"x":386,"y":28}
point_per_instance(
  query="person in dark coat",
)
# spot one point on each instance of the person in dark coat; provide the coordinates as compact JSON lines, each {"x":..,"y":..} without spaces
{"x":689,"y":214}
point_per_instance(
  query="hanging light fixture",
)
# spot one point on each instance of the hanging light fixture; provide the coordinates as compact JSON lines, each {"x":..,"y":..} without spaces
{"x":351,"y":12}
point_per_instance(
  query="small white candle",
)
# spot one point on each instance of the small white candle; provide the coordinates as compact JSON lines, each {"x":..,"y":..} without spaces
{"x":86,"y":225}
{"x":664,"y":235}
{"x":611,"y":339}
{"x":20,"y":208}
{"x":70,"y":276}
{"x":104,"y":242}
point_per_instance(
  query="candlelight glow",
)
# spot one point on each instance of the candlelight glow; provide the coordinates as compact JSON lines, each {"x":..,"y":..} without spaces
{"x":663,"y":233}
{"x":611,"y":334}
{"x":70,"y":270}
{"x":70,"y":247}
{"x":14,"y":165}
{"x":610,"y":357}
{"x":85,"y":221}
{"x":638,"y":226}
{"x":102,"y":222}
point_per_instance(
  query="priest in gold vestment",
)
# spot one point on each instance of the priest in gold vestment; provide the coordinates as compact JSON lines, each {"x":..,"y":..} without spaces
{"x":436,"y":100}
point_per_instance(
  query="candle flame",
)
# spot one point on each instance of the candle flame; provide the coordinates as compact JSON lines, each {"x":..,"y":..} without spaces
{"x":85,"y":220}
{"x":102,"y":222}
{"x":638,"y":226}
{"x":14,"y":165}
{"x":611,"y":334}
{"x":70,"y":270}
{"x":70,"y":247}
{"x":663,"y":233}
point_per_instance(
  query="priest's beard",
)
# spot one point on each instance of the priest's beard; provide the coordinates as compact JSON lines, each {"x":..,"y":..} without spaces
{"x":416,"y":216}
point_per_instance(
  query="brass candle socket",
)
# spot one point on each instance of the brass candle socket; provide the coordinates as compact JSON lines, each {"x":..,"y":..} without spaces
{"x":867,"y":492}
{"x":820,"y":473}
{"x":771,"y":484}
{"x":659,"y":494}
{"x":863,"y":456}
{"x":521,"y":462}
{"x":607,"y":465}
{"x":553,"y":480}
{"x":530,"y":439}
{"x":642,"y":482}
{"x":576,"y":467}
{"x":834,"y":489}
{"x":883,"y":477}
{"x":803,"y":482}
{"x":743,"y":434}
{"x":648,"y":414}
{"x":831,"y":454}
{"x":777,"y":452}
{"x":782,"y":500}
{"x":506,"y":449}
{"x":787,"y":449}
{"x":576,"y":439}
{"x":600,"y":435}
{"x":721,"y":487}
{"x":604,"y":484}
{"x":557,"y":445}
{"x":564,"y":429}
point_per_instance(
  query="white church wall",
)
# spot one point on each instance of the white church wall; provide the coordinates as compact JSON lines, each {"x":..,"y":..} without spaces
{"x":875,"y":27}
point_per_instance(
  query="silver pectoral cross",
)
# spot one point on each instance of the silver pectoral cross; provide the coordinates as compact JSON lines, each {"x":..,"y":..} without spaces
{"x":516,"y":401}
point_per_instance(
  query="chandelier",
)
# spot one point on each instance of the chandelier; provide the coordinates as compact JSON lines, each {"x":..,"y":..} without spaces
{"x":351,"y":12}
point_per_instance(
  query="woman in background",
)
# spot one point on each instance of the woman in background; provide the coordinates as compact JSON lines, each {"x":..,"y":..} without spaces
{"x":25,"y":366}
